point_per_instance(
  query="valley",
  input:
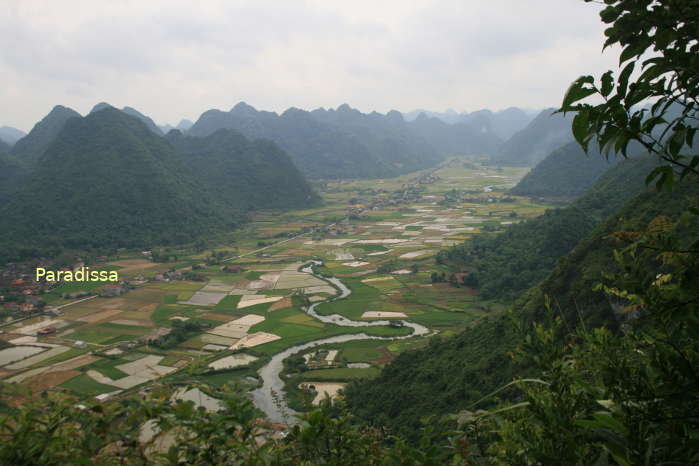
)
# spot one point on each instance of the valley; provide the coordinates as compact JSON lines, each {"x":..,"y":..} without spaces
{"x":363,"y":260}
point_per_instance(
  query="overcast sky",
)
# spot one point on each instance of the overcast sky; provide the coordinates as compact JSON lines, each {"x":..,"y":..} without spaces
{"x":174,"y":59}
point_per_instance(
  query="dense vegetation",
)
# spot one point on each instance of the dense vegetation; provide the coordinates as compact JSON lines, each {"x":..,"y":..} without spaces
{"x":12,"y":174}
{"x":247,"y":174}
{"x":503,"y":265}
{"x":342,"y":143}
{"x":107,"y":181}
{"x":453,"y":373}
{"x":564,"y":174}
{"x":30,"y":148}
{"x":531,"y":145}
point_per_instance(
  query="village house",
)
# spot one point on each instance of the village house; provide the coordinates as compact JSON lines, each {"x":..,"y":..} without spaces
{"x":26,"y":307}
{"x":232,"y":269}
{"x":112,"y":290}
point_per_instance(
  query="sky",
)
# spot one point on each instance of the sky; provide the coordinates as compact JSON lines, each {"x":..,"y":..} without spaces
{"x":176,"y":59}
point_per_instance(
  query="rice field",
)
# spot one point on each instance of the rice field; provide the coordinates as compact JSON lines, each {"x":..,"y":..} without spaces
{"x":385,"y":256}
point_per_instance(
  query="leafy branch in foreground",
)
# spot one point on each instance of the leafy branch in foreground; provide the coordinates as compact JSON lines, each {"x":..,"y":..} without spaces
{"x":660,"y":66}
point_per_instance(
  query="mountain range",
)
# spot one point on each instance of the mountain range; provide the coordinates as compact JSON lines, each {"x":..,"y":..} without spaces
{"x":342,"y":143}
{"x":503,"y":123}
{"x":106,"y":180}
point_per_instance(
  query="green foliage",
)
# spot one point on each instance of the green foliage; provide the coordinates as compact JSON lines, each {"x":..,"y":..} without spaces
{"x":135,"y":189}
{"x":12,"y":175}
{"x":659,"y":43}
{"x":61,"y":430}
{"x":30,"y":149}
{"x":506,"y":264}
{"x":627,"y":398}
{"x":564,"y":174}
{"x":437,"y":379}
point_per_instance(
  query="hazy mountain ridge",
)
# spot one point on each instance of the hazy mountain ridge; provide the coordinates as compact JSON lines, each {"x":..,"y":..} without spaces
{"x":11,"y":135}
{"x":503,"y":123}
{"x":456,"y":139}
{"x":529,"y":146}
{"x":319,"y":149}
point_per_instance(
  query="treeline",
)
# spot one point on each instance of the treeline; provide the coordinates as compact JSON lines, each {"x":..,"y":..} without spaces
{"x":503,"y":265}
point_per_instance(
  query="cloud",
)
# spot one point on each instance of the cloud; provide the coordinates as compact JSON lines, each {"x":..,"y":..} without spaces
{"x":176,"y":59}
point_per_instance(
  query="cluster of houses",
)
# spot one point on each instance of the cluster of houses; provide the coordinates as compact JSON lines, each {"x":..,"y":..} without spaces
{"x":168,"y":276}
{"x":19,"y":291}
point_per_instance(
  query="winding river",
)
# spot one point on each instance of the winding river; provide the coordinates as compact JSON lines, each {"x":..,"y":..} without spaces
{"x":270,"y":396}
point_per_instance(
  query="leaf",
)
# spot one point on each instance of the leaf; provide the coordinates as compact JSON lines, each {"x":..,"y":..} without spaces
{"x":607,"y":83}
{"x":581,"y":129}
{"x":623,"y":82}
{"x":577,"y":92}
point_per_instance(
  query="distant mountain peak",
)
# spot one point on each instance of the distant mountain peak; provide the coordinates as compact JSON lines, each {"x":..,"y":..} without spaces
{"x":242,"y":107}
{"x":184,"y":125}
{"x":101,"y":106}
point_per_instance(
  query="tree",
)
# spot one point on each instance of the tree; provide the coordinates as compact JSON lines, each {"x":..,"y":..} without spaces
{"x":659,"y":41}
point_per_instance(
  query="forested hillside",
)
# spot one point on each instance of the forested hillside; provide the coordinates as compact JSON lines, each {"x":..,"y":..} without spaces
{"x":31,"y":148}
{"x":12,"y":175}
{"x":129,"y":186}
{"x":502,"y":265}
{"x":532,"y":144}
{"x":133,"y":188}
{"x":566,"y":173}
{"x":247,"y":174}
{"x":450,"y":374}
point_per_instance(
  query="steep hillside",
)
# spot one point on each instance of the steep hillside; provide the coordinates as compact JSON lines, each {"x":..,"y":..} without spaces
{"x":106,"y":180}
{"x":457,"y":138}
{"x":322,"y":148}
{"x":148,"y":121}
{"x":450,"y":374}
{"x":30,"y":148}
{"x":502,"y":265}
{"x":11,"y":135}
{"x":150,"y":124}
{"x":566,"y":173}
{"x":249,"y":174}
{"x":4,"y":147}
{"x":540,"y":137}
{"x":12,"y":176}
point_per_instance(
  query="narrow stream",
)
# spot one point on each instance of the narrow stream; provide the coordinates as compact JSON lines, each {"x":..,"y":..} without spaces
{"x":270,"y":396}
